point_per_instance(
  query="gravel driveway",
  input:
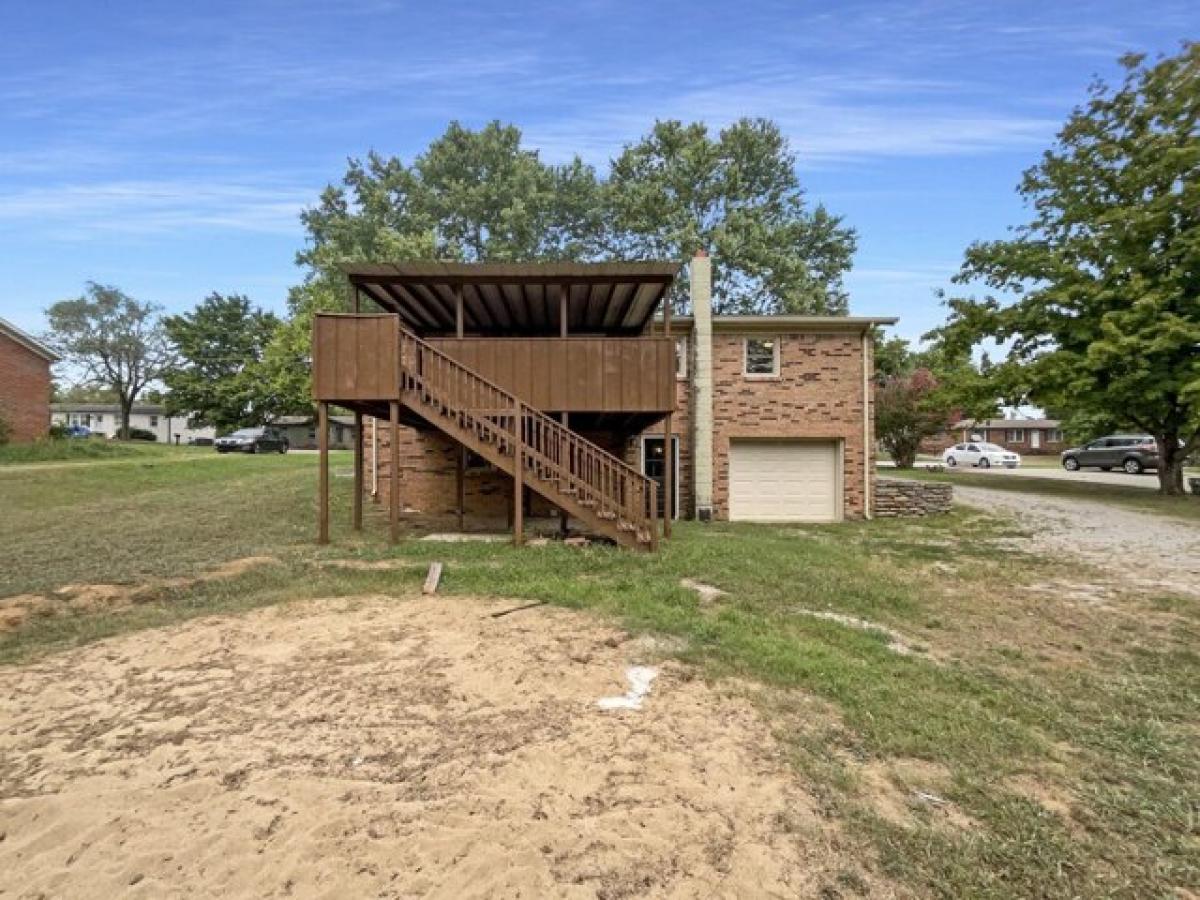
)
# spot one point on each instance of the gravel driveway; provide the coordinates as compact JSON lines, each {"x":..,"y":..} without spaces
{"x":1143,"y":550}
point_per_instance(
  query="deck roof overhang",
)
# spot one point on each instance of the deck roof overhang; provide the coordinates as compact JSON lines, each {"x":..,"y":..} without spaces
{"x":614,"y":298}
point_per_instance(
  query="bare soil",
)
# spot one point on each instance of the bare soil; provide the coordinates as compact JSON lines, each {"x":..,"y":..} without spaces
{"x":1152,"y":553}
{"x":394,"y":748}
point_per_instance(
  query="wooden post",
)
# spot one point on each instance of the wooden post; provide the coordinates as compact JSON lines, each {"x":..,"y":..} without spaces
{"x":358,"y":471}
{"x":460,"y":471}
{"x":394,"y":508}
{"x":562,"y":513}
{"x":458,"y":312}
{"x":323,"y":473}
{"x":357,"y":304}
{"x":668,"y":477}
{"x":668,"y":455}
{"x":564,"y":292}
{"x":518,"y":476}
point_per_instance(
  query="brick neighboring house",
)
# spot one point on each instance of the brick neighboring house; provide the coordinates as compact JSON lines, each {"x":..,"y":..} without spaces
{"x":1029,"y":437}
{"x":780,"y":409}
{"x":24,"y":383}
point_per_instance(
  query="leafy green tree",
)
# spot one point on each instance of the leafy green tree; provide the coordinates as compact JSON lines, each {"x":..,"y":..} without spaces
{"x":115,"y":341}
{"x":221,"y":344}
{"x":1103,"y":285}
{"x":679,"y":190}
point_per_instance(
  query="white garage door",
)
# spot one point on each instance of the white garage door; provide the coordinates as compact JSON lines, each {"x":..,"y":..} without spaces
{"x":783,"y":481}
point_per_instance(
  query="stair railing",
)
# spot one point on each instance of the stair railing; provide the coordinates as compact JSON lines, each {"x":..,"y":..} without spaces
{"x":594,"y":478}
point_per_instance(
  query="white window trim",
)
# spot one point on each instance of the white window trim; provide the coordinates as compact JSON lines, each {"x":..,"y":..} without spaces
{"x":681,"y":358}
{"x":760,"y":376}
{"x":1014,"y":435}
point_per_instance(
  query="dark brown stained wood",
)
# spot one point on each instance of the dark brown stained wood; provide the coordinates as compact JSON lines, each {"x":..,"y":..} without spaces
{"x":404,"y":303}
{"x":355,"y":357}
{"x":576,"y":374}
{"x":519,"y":477}
{"x":394,"y":502}
{"x":323,"y":473}
{"x":477,"y":312}
{"x":357,"y":517}
{"x":597,"y":305}
{"x":437,"y":305}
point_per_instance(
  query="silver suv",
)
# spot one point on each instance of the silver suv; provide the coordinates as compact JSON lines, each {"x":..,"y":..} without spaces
{"x":1135,"y":453}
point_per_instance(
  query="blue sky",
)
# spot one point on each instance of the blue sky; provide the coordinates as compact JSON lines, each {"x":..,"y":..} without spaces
{"x":168,"y":148}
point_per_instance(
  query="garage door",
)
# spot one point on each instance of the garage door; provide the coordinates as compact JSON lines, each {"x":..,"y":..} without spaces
{"x":783,"y":481}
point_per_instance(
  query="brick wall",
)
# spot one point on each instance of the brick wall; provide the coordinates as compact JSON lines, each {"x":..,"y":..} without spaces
{"x":817,"y":394}
{"x":24,"y":390}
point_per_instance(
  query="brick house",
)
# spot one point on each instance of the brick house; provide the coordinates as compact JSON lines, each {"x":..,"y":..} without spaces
{"x":1029,"y":437}
{"x":770,"y":418}
{"x":24,"y":383}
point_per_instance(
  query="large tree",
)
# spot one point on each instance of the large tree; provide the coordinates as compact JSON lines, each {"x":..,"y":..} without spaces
{"x":218,"y":380}
{"x":1099,"y":294}
{"x":737,"y":195}
{"x":115,"y":342}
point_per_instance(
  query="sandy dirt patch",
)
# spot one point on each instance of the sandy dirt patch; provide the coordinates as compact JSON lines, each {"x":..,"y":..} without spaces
{"x":392,"y":747}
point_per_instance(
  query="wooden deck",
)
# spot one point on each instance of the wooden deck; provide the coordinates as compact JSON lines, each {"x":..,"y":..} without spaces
{"x":356,"y":358}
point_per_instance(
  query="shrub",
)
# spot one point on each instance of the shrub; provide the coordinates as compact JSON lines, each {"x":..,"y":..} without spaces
{"x":5,"y":429}
{"x":142,"y":434}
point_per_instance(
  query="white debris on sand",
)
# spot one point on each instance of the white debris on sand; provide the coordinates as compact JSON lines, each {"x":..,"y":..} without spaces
{"x":639,"y":678}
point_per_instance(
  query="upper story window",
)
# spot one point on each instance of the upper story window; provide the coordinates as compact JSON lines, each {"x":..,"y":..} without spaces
{"x":681,"y":354}
{"x":761,"y":357}
{"x":154,"y":421}
{"x":1015,"y":435}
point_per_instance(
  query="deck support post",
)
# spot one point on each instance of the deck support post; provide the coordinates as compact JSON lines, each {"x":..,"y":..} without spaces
{"x":518,"y":476}
{"x":359,"y":465}
{"x":458,"y":312}
{"x":562,"y":513}
{"x":323,"y":473}
{"x":668,"y":431}
{"x":394,"y":499}
{"x":460,"y":484}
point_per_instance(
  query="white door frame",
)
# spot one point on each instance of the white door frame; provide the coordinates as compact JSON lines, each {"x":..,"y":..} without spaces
{"x":1035,"y":439}
{"x":674,"y":468}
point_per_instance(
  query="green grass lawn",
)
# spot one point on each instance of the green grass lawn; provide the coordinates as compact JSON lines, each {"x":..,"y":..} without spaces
{"x":1139,"y":498}
{"x":1063,"y":734}
{"x":59,"y":451}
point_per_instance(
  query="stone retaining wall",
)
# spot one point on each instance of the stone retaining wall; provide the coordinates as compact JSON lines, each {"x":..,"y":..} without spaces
{"x":900,"y":497}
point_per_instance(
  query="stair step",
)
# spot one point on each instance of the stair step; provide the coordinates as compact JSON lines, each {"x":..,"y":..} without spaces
{"x":607,"y":514}
{"x":587,"y":504}
{"x":626,"y":526}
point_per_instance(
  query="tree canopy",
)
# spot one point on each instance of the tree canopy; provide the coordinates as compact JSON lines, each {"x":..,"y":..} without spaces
{"x":1099,"y":294}
{"x":218,"y":380}
{"x":117,"y":342}
{"x":679,"y":190}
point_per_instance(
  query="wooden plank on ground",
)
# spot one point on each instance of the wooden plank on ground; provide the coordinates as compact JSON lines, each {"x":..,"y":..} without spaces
{"x":432,"y":579}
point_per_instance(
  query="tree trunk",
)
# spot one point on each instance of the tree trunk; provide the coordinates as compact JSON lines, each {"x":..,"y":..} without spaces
{"x":126,"y":411}
{"x":1170,"y":464}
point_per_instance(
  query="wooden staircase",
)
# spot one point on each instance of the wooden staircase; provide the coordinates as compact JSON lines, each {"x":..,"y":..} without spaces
{"x":611,"y":497}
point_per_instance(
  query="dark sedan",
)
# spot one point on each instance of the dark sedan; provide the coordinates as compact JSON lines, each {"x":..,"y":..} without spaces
{"x":253,"y":440}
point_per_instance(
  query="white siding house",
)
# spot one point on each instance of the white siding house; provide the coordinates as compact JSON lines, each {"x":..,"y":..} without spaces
{"x":104,"y":419}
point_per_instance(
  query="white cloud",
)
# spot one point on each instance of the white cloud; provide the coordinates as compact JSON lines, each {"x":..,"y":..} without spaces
{"x":155,"y":206}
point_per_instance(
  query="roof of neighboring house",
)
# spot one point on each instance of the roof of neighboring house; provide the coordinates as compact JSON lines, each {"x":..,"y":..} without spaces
{"x":786,"y":323}
{"x":27,"y":341}
{"x":288,"y":421}
{"x":1009,"y":423}
{"x":149,"y":409}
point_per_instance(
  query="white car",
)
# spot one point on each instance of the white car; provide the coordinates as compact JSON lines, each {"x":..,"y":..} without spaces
{"x":981,"y":455}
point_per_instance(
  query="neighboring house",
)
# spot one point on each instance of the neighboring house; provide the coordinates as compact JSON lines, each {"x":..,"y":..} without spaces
{"x":104,"y":419}
{"x":770,"y":418}
{"x":24,"y":383}
{"x":301,"y":431}
{"x":1030,"y":437}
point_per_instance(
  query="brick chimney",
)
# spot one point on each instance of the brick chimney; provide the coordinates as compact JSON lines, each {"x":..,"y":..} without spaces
{"x":700,"y":285}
